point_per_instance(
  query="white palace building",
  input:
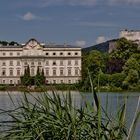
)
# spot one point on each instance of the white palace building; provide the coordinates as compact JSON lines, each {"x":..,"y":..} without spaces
{"x":61,"y":63}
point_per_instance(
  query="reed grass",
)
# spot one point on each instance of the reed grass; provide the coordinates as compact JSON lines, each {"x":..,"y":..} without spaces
{"x":55,"y":117}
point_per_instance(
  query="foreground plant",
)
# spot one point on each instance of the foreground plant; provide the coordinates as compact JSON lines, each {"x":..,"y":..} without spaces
{"x":54,"y":117}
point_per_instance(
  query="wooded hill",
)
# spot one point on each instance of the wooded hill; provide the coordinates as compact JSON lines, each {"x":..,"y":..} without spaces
{"x":102,"y":47}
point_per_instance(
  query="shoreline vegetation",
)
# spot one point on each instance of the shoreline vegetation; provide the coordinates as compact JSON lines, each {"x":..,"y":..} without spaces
{"x":62,"y":87}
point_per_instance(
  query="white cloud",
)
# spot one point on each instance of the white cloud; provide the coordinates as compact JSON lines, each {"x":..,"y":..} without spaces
{"x":80,"y":43}
{"x":101,"y":39}
{"x":28,"y":16}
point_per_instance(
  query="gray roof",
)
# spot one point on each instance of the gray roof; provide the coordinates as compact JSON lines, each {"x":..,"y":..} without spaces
{"x":10,"y":46}
{"x":46,"y":46}
{"x":60,"y":46}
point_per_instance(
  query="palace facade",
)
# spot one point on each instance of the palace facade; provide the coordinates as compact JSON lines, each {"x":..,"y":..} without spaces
{"x":61,"y":63}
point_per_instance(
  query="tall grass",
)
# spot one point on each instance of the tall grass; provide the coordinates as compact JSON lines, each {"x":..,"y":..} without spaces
{"x":55,"y":117}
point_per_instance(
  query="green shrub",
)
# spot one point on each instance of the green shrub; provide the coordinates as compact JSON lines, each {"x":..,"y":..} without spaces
{"x":117,"y":79}
{"x":3,"y":87}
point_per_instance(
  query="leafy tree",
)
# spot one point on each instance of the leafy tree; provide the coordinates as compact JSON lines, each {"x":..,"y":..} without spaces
{"x":104,"y":79}
{"x":131,"y":64}
{"x":5,"y":43}
{"x":124,"y":49}
{"x":133,"y":76}
{"x":91,"y":63}
{"x":13,"y":43}
{"x":114,"y":65}
{"x":117,"y":79}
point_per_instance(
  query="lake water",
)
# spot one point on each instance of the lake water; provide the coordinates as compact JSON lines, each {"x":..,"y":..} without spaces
{"x":114,"y":101}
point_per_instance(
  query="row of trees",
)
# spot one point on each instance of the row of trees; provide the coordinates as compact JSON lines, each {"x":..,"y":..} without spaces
{"x":5,"y":43}
{"x":38,"y":79}
{"x":119,"y":69}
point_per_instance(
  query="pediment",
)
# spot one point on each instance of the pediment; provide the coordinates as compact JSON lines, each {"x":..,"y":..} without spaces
{"x":32,"y":44}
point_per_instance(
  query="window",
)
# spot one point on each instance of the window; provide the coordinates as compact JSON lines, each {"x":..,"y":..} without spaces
{"x":76,"y":62}
{"x":32,"y":71}
{"x":11,"y":63}
{"x":61,"y":72}
{"x":47,"y":63}
{"x":11,"y":81}
{"x":3,"y":53}
{"x":76,"y":71}
{"x":54,"y":81}
{"x":61,"y":62}
{"x":18,"y":72}
{"x":25,"y":63}
{"x":18,"y":53}
{"x":47,"y":53}
{"x":11,"y":53}
{"x":3,"y":72}
{"x":18,"y":63}
{"x":18,"y":81}
{"x":69,"y":62}
{"x":54,"y":62}
{"x":69,"y":53}
{"x":61,"y":81}
{"x":3,"y":81}
{"x":76,"y":53}
{"x":61,"y":53}
{"x":54,"y":72}
{"x":69,"y":81}
{"x":54,"y":53}
{"x":11,"y":72}
{"x":69,"y":72}
{"x":3,"y":63}
{"x":39,"y":63}
{"x":32,"y":63}
{"x":47,"y":72}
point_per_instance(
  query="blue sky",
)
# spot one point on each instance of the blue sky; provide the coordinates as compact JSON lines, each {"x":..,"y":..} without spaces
{"x":77,"y":22}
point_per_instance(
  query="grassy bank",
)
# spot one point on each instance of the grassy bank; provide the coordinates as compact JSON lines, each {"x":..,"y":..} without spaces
{"x":40,"y":88}
{"x":65,"y":87}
